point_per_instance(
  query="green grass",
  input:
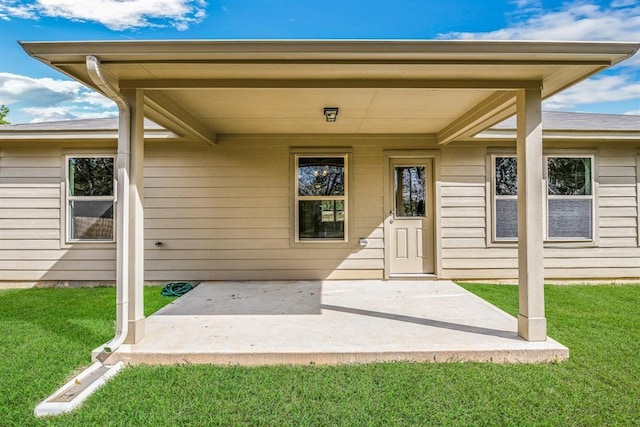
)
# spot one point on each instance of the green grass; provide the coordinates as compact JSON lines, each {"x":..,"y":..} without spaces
{"x":48,"y":333}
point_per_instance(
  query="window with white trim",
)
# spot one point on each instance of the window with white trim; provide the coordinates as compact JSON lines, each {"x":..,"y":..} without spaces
{"x":321,"y":198}
{"x":90,"y":198}
{"x":569,"y":198}
{"x":505,"y":208}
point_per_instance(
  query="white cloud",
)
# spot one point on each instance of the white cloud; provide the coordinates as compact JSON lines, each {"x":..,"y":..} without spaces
{"x":526,"y":3}
{"x":524,"y":7}
{"x":573,"y":21}
{"x":45,"y":99}
{"x":17,"y":88}
{"x":623,"y":3}
{"x":16,"y":9}
{"x":114,"y":14}
{"x":49,"y":114}
{"x":578,"y":20}
{"x":632,"y":113}
{"x":94,"y":99}
{"x":594,"y":91}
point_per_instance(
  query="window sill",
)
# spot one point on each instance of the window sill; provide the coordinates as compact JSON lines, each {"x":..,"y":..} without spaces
{"x":317,"y":244}
{"x":89,"y":244}
{"x":549,"y":244}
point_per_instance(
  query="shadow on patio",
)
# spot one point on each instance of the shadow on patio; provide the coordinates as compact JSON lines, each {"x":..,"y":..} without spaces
{"x":329,"y":322}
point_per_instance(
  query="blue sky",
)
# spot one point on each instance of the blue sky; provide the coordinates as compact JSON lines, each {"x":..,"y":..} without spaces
{"x":35,"y":92}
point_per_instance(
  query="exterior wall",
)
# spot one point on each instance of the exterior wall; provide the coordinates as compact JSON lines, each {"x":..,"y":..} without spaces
{"x":31,"y":189}
{"x":221,"y":212}
{"x":469,"y":253}
{"x":224,"y":212}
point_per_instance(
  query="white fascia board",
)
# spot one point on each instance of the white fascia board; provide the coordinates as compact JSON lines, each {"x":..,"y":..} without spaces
{"x":369,"y":50}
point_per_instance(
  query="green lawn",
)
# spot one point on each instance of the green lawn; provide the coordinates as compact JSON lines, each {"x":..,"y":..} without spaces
{"x":49,"y":333}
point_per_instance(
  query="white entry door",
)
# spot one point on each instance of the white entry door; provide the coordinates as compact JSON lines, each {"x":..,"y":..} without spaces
{"x":410,"y":221}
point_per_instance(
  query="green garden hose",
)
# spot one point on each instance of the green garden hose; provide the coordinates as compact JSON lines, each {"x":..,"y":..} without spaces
{"x":176,"y":289}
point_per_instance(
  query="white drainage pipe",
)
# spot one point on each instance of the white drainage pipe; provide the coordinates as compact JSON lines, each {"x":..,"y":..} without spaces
{"x":75,"y":392}
{"x":122,"y":216}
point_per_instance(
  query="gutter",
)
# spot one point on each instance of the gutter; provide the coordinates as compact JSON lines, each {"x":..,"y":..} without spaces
{"x":75,"y":392}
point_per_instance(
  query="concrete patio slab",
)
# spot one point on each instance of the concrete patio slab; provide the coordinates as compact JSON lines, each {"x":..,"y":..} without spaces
{"x":333,"y":322}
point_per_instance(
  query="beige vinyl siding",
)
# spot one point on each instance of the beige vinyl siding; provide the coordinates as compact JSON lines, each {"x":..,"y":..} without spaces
{"x":31,"y":248}
{"x":224,"y":212}
{"x":462,"y":204}
{"x":468,"y":254}
{"x":465,"y":216}
{"x":617,"y":254}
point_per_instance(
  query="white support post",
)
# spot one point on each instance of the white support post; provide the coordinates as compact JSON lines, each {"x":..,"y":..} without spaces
{"x":122,"y":229}
{"x":136,"y":217}
{"x":532,"y":324}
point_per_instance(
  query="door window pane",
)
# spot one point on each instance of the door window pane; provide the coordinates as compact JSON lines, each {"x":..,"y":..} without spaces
{"x":321,"y":219}
{"x":410,"y":191}
{"x":321,"y":176}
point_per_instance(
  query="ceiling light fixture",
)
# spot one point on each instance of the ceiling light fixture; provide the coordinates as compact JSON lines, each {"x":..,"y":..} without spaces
{"x":330,"y":114}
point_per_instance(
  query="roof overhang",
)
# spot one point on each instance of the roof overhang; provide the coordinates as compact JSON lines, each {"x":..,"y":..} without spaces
{"x":84,"y":129}
{"x":446,"y":89}
{"x":562,"y":135}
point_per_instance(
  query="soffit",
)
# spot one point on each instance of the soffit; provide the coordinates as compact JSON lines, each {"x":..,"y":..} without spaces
{"x":293,"y":111}
{"x":298,"y":109}
{"x":282,"y":86}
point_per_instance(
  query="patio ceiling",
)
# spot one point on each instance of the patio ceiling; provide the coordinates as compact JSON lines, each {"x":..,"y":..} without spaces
{"x":448,"y":89}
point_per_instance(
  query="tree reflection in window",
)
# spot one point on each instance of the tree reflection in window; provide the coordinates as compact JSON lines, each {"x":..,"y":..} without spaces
{"x":569,"y":198}
{"x":506,"y":176}
{"x":91,"y":176}
{"x":90,"y":198}
{"x":506,"y":192}
{"x":569,"y":176}
{"x":321,"y":176}
{"x":570,"y":205}
{"x":321,"y":200}
{"x":410,"y":191}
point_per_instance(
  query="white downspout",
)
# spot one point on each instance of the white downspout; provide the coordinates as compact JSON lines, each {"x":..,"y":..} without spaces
{"x":122,"y":207}
{"x":77,"y":390}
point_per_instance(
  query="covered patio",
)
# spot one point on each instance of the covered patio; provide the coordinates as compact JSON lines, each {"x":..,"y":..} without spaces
{"x":333,"y":322}
{"x":440,"y":92}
